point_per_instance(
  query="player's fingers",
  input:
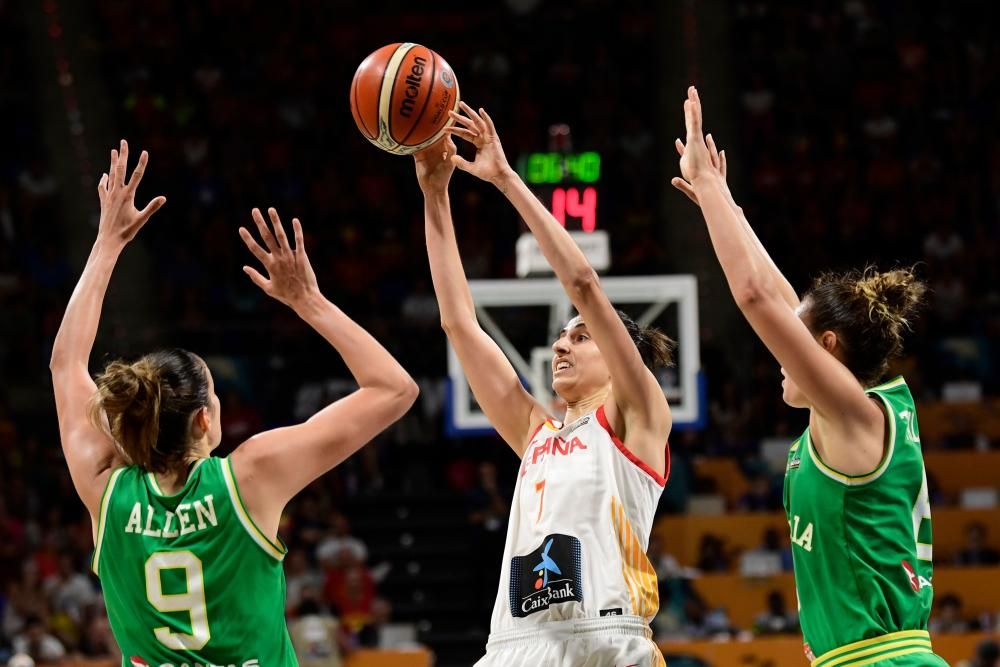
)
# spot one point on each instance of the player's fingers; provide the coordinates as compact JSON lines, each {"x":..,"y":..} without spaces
{"x":695,"y":109}
{"x":300,"y":242}
{"x":113,"y":169}
{"x":684,"y":187}
{"x":258,"y":280}
{"x":122,"y":163}
{"x":722,"y":162}
{"x":279,"y":230}
{"x":471,"y":113}
{"x":713,"y":152}
{"x":140,"y":169}
{"x":461,"y":162}
{"x":679,"y":145}
{"x":102,"y":186}
{"x":262,"y":229}
{"x":151,"y":208}
{"x":468,"y":135}
{"x":489,"y":121}
{"x":449,"y":147}
{"x":253,"y":246}
{"x":464,"y":121}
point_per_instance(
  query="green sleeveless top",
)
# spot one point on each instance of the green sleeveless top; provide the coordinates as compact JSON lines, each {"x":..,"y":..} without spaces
{"x":188,"y":578}
{"x":861,"y":546}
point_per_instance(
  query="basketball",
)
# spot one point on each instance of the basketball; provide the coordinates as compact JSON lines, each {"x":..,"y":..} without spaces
{"x":401,"y":96}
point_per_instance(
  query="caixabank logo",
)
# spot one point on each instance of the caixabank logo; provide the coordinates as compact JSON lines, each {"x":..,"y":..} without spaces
{"x":550,"y":574}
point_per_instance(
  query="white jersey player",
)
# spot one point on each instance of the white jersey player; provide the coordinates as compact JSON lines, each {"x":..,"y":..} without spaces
{"x":576,"y":588}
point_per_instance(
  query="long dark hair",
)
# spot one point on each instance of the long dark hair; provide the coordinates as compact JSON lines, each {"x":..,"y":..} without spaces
{"x":149,"y":404}
{"x":655,"y":347}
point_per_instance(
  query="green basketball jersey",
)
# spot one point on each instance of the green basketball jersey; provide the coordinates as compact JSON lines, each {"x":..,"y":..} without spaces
{"x":188,"y":578}
{"x":861,"y":547}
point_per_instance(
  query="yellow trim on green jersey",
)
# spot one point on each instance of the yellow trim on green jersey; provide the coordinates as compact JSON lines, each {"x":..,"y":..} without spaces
{"x":891,"y":384}
{"x":277,"y":551}
{"x":151,"y":477}
{"x":868,"y":651}
{"x":858,"y":480}
{"x":102,"y":518}
{"x":153,"y":483}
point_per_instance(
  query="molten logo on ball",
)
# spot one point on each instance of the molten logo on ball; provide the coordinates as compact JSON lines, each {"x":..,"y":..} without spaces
{"x":412,"y":87}
{"x":395,"y":101}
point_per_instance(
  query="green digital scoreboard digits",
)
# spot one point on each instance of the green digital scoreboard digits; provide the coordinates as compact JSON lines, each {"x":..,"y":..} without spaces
{"x":554,"y":168}
{"x":565,"y":183}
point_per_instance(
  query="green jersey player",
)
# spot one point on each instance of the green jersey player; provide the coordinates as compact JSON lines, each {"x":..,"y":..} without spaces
{"x":855,"y":488}
{"x":186,"y":545}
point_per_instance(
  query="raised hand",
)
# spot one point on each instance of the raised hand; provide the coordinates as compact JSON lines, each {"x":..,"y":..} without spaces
{"x":290,"y":277}
{"x":120,"y":219}
{"x":434,"y":166}
{"x":696,"y":159}
{"x":718,"y":159}
{"x":490,"y":163}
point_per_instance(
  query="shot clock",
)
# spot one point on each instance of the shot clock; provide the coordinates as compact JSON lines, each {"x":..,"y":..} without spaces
{"x":567,"y":184}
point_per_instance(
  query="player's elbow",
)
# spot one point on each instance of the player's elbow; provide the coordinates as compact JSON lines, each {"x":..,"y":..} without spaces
{"x":751,"y":293}
{"x":456,"y":327}
{"x":584,"y":281}
{"x":57,"y":361}
{"x":408,"y":391}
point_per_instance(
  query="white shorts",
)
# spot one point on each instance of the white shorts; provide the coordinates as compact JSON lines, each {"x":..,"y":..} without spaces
{"x":619,"y":641}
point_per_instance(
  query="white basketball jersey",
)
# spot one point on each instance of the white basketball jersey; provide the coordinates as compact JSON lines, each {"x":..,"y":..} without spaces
{"x":579,"y":527}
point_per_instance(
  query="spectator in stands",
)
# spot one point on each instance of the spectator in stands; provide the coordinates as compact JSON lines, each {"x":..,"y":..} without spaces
{"x":37,"y":642}
{"x":96,"y":639}
{"x":71,"y":590}
{"x":730,"y":413}
{"x":949,"y":615}
{"x":712,"y":556}
{"x":762,"y":496}
{"x":378,"y":633}
{"x":768,"y":559}
{"x":315,"y":635}
{"x":25,"y":599}
{"x":488,"y":512}
{"x":976,"y":551}
{"x":340,"y":544}
{"x":240,"y":420}
{"x":488,"y":509}
{"x":705,"y":622}
{"x":300,"y":577}
{"x":987,"y":655}
{"x":664,"y":562}
{"x":350,"y":591}
{"x":776,"y":619}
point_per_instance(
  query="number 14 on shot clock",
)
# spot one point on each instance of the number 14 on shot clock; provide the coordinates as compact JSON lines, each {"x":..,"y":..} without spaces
{"x":567,"y":184}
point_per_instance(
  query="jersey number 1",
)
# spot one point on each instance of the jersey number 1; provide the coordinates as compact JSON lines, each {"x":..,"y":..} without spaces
{"x":191,"y":601}
{"x":921,"y":512}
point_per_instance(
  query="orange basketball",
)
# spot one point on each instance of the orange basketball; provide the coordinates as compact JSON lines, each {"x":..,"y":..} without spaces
{"x":401,"y":95}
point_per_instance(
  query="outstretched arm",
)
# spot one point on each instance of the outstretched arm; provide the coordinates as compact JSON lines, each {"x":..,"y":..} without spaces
{"x":510,"y":408}
{"x":718,"y":160}
{"x":91,"y":453}
{"x":275,"y":465}
{"x":645,"y":414}
{"x":829,"y":386}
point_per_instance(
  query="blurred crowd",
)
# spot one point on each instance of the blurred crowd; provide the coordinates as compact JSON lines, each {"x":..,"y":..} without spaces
{"x":866,"y":134}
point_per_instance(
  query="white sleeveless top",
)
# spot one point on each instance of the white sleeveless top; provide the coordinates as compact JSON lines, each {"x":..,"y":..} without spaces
{"x":579,"y":528}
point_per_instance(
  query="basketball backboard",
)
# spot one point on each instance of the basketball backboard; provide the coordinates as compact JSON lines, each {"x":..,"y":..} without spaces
{"x":525,"y":316}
